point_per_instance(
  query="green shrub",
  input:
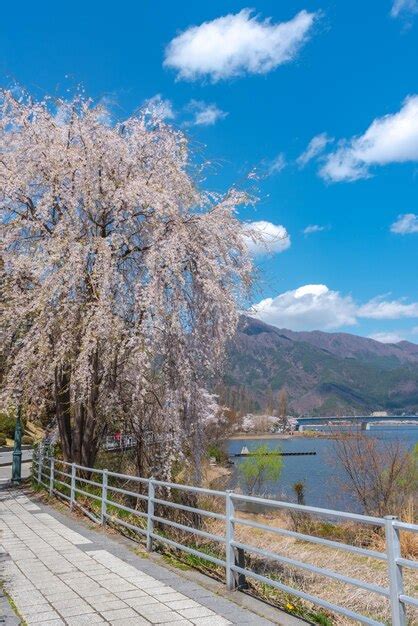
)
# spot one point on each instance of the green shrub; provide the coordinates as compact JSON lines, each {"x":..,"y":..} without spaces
{"x":260,"y":466}
{"x":217,"y":453}
{"x":27,"y":440}
{"x":2,"y":440}
{"x":7,"y":424}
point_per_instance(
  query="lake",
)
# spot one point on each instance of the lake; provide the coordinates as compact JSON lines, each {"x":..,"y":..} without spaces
{"x":320,"y":474}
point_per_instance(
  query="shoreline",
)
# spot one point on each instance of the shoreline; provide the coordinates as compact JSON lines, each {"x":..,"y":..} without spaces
{"x":308,"y":434}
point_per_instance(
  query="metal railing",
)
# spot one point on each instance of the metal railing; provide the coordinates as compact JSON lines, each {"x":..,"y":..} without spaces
{"x":65,"y":483}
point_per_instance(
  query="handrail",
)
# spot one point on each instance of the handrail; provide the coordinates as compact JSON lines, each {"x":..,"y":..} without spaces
{"x":44,"y":468}
{"x":313,"y":568}
{"x":364,"y":519}
{"x":311,"y":538}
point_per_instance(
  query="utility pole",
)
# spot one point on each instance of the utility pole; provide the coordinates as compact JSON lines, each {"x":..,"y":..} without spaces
{"x":17,"y":451}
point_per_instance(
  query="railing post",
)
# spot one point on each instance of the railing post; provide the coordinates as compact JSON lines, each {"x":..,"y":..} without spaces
{"x":40,"y":463}
{"x":72,"y":490}
{"x":104,"y":498}
{"x":393,"y":552}
{"x":51,"y":476}
{"x":231,"y":581}
{"x":150,"y":513}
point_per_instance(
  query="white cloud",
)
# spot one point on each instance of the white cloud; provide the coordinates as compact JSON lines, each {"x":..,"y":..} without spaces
{"x":316,"y":307}
{"x":389,"y":139}
{"x":311,"y":307}
{"x":400,"y":7}
{"x":277,"y":164}
{"x":314,"y":228}
{"x":405,"y":224}
{"x":159,"y":107}
{"x":387,"y":337}
{"x":236,"y":44}
{"x":266,"y":238}
{"x":380,"y":309}
{"x":316,"y":145}
{"x":205,"y":114}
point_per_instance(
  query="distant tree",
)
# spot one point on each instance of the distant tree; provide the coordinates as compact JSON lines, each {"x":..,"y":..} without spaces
{"x":263,"y":465}
{"x":284,"y":426}
{"x":381,"y":475}
{"x":121,"y":277}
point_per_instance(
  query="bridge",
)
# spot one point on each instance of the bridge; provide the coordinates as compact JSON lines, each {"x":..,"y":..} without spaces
{"x":363,"y":420}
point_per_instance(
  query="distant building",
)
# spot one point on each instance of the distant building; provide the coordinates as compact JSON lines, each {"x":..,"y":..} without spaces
{"x":379,"y":414}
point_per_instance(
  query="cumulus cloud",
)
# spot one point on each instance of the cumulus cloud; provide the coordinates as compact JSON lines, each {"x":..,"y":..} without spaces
{"x":266,"y":238}
{"x":236,"y":44}
{"x":316,"y":307}
{"x":314,"y":228}
{"x":400,"y":7}
{"x":316,"y":145}
{"x":389,"y":139}
{"x":159,"y":107}
{"x":310,"y":307}
{"x":405,"y":224}
{"x":205,"y":114}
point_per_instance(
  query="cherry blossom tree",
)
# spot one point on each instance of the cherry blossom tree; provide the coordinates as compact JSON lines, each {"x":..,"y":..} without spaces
{"x":121,"y":279}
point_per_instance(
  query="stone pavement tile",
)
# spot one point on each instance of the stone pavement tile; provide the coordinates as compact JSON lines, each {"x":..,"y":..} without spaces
{"x":71,"y":536}
{"x":180,"y":604}
{"x":119,"y":585}
{"x":65,"y":603}
{"x":81,"y":620}
{"x":199,"y":611}
{"x":161,"y":618}
{"x":157,"y":608}
{"x":52,"y":596}
{"x":130,"y":621}
{"x":35,"y":609}
{"x":214,"y":621}
{"x":108,"y":605}
{"x":150,"y":585}
{"x":118,"y":614}
{"x":81,"y":608}
{"x":75,"y":612}
{"x":53,"y":622}
{"x":105,"y":596}
{"x":160,"y":590}
{"x":37,"y":618}
{"x":133,"y":593}
{"x":28,"y":598}
{"x":181,"y":622}
{"x":172,"y":597}
{"x":138,"y":603}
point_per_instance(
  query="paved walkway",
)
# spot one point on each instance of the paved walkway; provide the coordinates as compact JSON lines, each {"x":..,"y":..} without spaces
{"x":62,"y":573}
{"x":6,"y":458}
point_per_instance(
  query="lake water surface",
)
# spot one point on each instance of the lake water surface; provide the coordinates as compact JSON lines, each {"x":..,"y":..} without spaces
{"x":322,"y":476}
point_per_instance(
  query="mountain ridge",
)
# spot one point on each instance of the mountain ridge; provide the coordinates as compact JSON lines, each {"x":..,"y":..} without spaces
{"x":323,"y":373}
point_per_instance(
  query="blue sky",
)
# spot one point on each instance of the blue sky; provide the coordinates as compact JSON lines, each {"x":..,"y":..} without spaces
{"x":252,"y":94}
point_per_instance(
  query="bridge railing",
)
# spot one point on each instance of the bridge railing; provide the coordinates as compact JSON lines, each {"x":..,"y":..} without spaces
{"x":69,"y":480}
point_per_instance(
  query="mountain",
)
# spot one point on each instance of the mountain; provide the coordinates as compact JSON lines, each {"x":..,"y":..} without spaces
{"x":323,"y":373}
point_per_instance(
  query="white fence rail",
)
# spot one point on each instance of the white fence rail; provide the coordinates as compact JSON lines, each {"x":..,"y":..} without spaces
{"x":65,"y":483}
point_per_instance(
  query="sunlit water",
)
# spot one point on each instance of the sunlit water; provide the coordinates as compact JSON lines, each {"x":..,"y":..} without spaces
{"x":322,"y":476}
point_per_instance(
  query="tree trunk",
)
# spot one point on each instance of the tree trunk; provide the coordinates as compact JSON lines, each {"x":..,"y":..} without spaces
{"x":62,"y":403}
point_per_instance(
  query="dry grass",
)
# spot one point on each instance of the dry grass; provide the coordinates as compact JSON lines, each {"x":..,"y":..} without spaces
{"x":355,"y":566}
